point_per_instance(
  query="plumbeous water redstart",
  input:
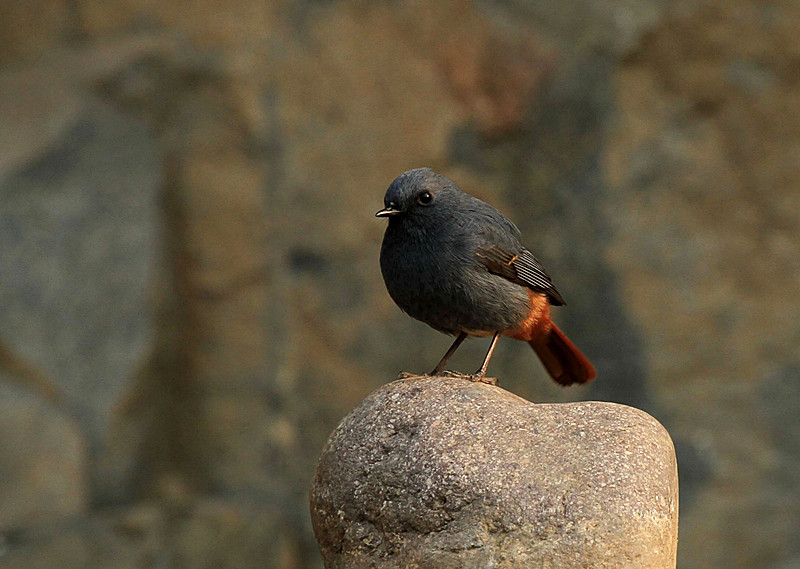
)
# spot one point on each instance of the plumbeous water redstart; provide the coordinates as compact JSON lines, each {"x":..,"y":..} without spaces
{"x":456,"y":263}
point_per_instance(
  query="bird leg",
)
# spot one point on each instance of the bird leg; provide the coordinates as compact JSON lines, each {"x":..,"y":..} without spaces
{"x":440,"y":366}
{"x":480,"y":375}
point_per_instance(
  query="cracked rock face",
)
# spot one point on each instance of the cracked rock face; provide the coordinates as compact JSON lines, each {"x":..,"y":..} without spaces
{"x":443,"y":472}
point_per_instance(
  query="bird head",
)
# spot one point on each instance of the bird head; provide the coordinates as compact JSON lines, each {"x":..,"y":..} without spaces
{"x":416,"y":192}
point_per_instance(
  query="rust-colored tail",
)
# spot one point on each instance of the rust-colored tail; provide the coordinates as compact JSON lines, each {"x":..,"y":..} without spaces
{"x":562,"y":359}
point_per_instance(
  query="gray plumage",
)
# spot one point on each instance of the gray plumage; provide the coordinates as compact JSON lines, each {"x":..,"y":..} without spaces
{"x":455,"y":262}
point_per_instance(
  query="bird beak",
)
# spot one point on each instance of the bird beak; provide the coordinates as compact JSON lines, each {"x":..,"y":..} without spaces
{"x":387,"y":211}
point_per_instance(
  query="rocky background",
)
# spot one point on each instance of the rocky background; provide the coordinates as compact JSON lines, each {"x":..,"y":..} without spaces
{"x":188,"y":254}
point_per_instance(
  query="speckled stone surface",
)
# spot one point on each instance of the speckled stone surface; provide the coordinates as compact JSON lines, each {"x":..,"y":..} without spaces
{"x":445,"y":473}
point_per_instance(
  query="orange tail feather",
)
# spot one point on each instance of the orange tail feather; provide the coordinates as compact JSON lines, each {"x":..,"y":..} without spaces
{"x":562,"y":359}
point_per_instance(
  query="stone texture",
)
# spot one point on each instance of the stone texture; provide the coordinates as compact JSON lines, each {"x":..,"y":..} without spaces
{"x":130,"y":538}
{"x":442,"y":472}
{"x":207,"y":533}
{"x":78,"y":229}
{"x":31,"y":28}
{"x":44,"y":461}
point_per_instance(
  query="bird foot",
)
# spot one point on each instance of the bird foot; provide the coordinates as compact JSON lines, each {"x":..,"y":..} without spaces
{"x":482,"y":379}
{"x":474,"y":377}
{"x":455,"y":374}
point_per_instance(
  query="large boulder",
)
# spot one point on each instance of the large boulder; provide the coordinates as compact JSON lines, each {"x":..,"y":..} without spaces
{"x":442,"y":472}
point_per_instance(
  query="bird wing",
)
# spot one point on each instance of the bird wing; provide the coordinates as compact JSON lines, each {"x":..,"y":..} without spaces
{"x":521,"y":268}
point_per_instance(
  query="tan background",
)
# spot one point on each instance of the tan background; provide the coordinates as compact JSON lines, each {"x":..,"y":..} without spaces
{"x":190,"y":298}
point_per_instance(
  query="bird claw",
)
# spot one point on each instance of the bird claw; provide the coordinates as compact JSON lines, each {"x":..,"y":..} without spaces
{"x":474,"y":377}
{"x":482,"y":378}
{"x":455,"y":374}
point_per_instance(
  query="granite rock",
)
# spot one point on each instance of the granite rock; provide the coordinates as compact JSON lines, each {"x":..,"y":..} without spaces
{"x":442,"y":472}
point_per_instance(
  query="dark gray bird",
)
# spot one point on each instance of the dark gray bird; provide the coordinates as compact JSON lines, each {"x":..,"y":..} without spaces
{"x":456,"y":263}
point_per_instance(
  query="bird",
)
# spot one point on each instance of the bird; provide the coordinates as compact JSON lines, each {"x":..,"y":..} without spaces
{"x":457,"y":264}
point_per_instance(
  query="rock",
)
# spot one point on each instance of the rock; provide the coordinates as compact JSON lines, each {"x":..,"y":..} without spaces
{"x":236,"y":533}
{"x":442,"y":472}
{"x":42,"y":101}
{"x":208,"y":532}
{"x":29,"y":29}
{"x":44,"y":462}
{"x":78,"y":229}
{"x":123,"y":538}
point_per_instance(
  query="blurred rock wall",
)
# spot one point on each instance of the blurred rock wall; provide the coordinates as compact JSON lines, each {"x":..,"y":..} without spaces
{"x":189,"y":279}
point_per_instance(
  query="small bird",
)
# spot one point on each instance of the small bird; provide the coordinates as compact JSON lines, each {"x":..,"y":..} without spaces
{"x":457,"y":264}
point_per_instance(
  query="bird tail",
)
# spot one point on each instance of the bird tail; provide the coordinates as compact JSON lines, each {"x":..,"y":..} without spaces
{"x":562,"y":359}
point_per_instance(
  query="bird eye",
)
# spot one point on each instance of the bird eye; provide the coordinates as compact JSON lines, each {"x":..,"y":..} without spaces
{"x":425,"y":198}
